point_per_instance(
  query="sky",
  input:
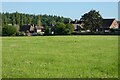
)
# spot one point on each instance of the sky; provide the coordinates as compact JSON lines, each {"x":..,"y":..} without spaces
{"x":60,"y":0}
{"x":119,"y":11}
{"x":73,"y":10}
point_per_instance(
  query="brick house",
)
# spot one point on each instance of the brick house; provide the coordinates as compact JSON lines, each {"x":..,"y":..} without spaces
{"x":77,"y":25}
{"x":109,"y":24}
{"x":106,"y":25}
{"x":31,"y":29}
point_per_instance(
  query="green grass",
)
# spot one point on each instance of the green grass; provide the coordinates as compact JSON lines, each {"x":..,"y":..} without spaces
{"x":60,"y":57}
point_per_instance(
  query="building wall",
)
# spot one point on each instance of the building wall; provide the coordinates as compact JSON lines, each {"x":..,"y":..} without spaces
{"x":114,"y":24}
{"x":75,"y":26}
{"x":39,"y":30}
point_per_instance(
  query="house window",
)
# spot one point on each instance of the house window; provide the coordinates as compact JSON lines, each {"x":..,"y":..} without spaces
{"x":96,"y":30}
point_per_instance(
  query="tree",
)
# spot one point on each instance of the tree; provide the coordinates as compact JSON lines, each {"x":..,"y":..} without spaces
{"x":39,"y":21}
{"x":21,"y":20}
{"x":4,"y":20}
{"x":24,"y":19}
{"x":92,"y":20}
{"x":60,"y":28}
{"x":17,"y":18}
{"x":13,"y":19}
{"x":34,"y":20}
{"x":69,"y":28}
{"x":9,"y":30}
{"x":47,"y":30}
{"x":67,"y":20}
{"x":28,"y":19}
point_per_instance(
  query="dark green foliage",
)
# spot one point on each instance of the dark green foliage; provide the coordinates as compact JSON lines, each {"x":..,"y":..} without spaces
{"x":92,"y":20}
{"x":69,"y":28}
{"x":28,"y":19}
{"x":21,"y":20}
{"x":9,"y":30}
{"x":49,"y":22}
{"x":34,"y":19}
{"x":17,"y":18}
{"x":13,"y":20}
{"x":60,"y":28}
{"x":4,"y":20}
{"x":47,"y":30}
{"x":38,"y":20}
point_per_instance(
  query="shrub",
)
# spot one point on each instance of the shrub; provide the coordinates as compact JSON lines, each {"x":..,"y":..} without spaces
{"x":60,"y":28}
{"x":9,"y":30}
{"x":69,"y":28}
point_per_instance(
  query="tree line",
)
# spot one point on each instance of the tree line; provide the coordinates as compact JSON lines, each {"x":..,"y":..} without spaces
{"x":11,"y":20}
{"x":22,"y":19}
{"x":61,"y":25}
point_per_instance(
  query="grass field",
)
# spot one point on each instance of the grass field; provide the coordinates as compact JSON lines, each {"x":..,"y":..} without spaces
{"x":60,"y":57}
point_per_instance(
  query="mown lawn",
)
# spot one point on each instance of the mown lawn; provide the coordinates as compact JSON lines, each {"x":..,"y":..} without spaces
{"x":60,"y":57}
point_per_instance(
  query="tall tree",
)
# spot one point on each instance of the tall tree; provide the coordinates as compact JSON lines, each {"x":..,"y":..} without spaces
{"x":34,"y":20}
{"x":92,"y":20}
{"x":17,"y":16}
{"x":28,"y":19}
{"x":39,"y":21}
{"x":21,"y":20}
{"x":4,"y":20}
{"x":13,"y":19}
{"x":24,"y":19}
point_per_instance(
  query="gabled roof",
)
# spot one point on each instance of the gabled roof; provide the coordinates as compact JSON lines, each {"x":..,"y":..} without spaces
{"x":25,"y":28}
{"x":107,"y":23}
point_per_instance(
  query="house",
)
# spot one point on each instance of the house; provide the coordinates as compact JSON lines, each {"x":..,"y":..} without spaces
{"x":31,"y":29}
{"x":77,"y":25}
{"x":27,"y":29}
{"x":40,"y":30}
{"x":109,"y":24}
{"x":106,"y":25}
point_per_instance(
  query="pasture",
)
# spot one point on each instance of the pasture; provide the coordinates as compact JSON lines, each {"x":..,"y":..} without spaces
{"x":60,"y":57}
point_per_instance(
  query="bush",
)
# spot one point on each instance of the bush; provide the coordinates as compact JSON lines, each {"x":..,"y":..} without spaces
{"x":69,"y":28}
{"x":47,"y":30}
{"x":60,"y":28}
{"x":9,"y":30}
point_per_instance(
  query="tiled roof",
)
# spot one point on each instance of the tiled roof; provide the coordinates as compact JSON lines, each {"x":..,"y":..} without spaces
{"x":107,"y":23}
{"x":25,"y":28}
